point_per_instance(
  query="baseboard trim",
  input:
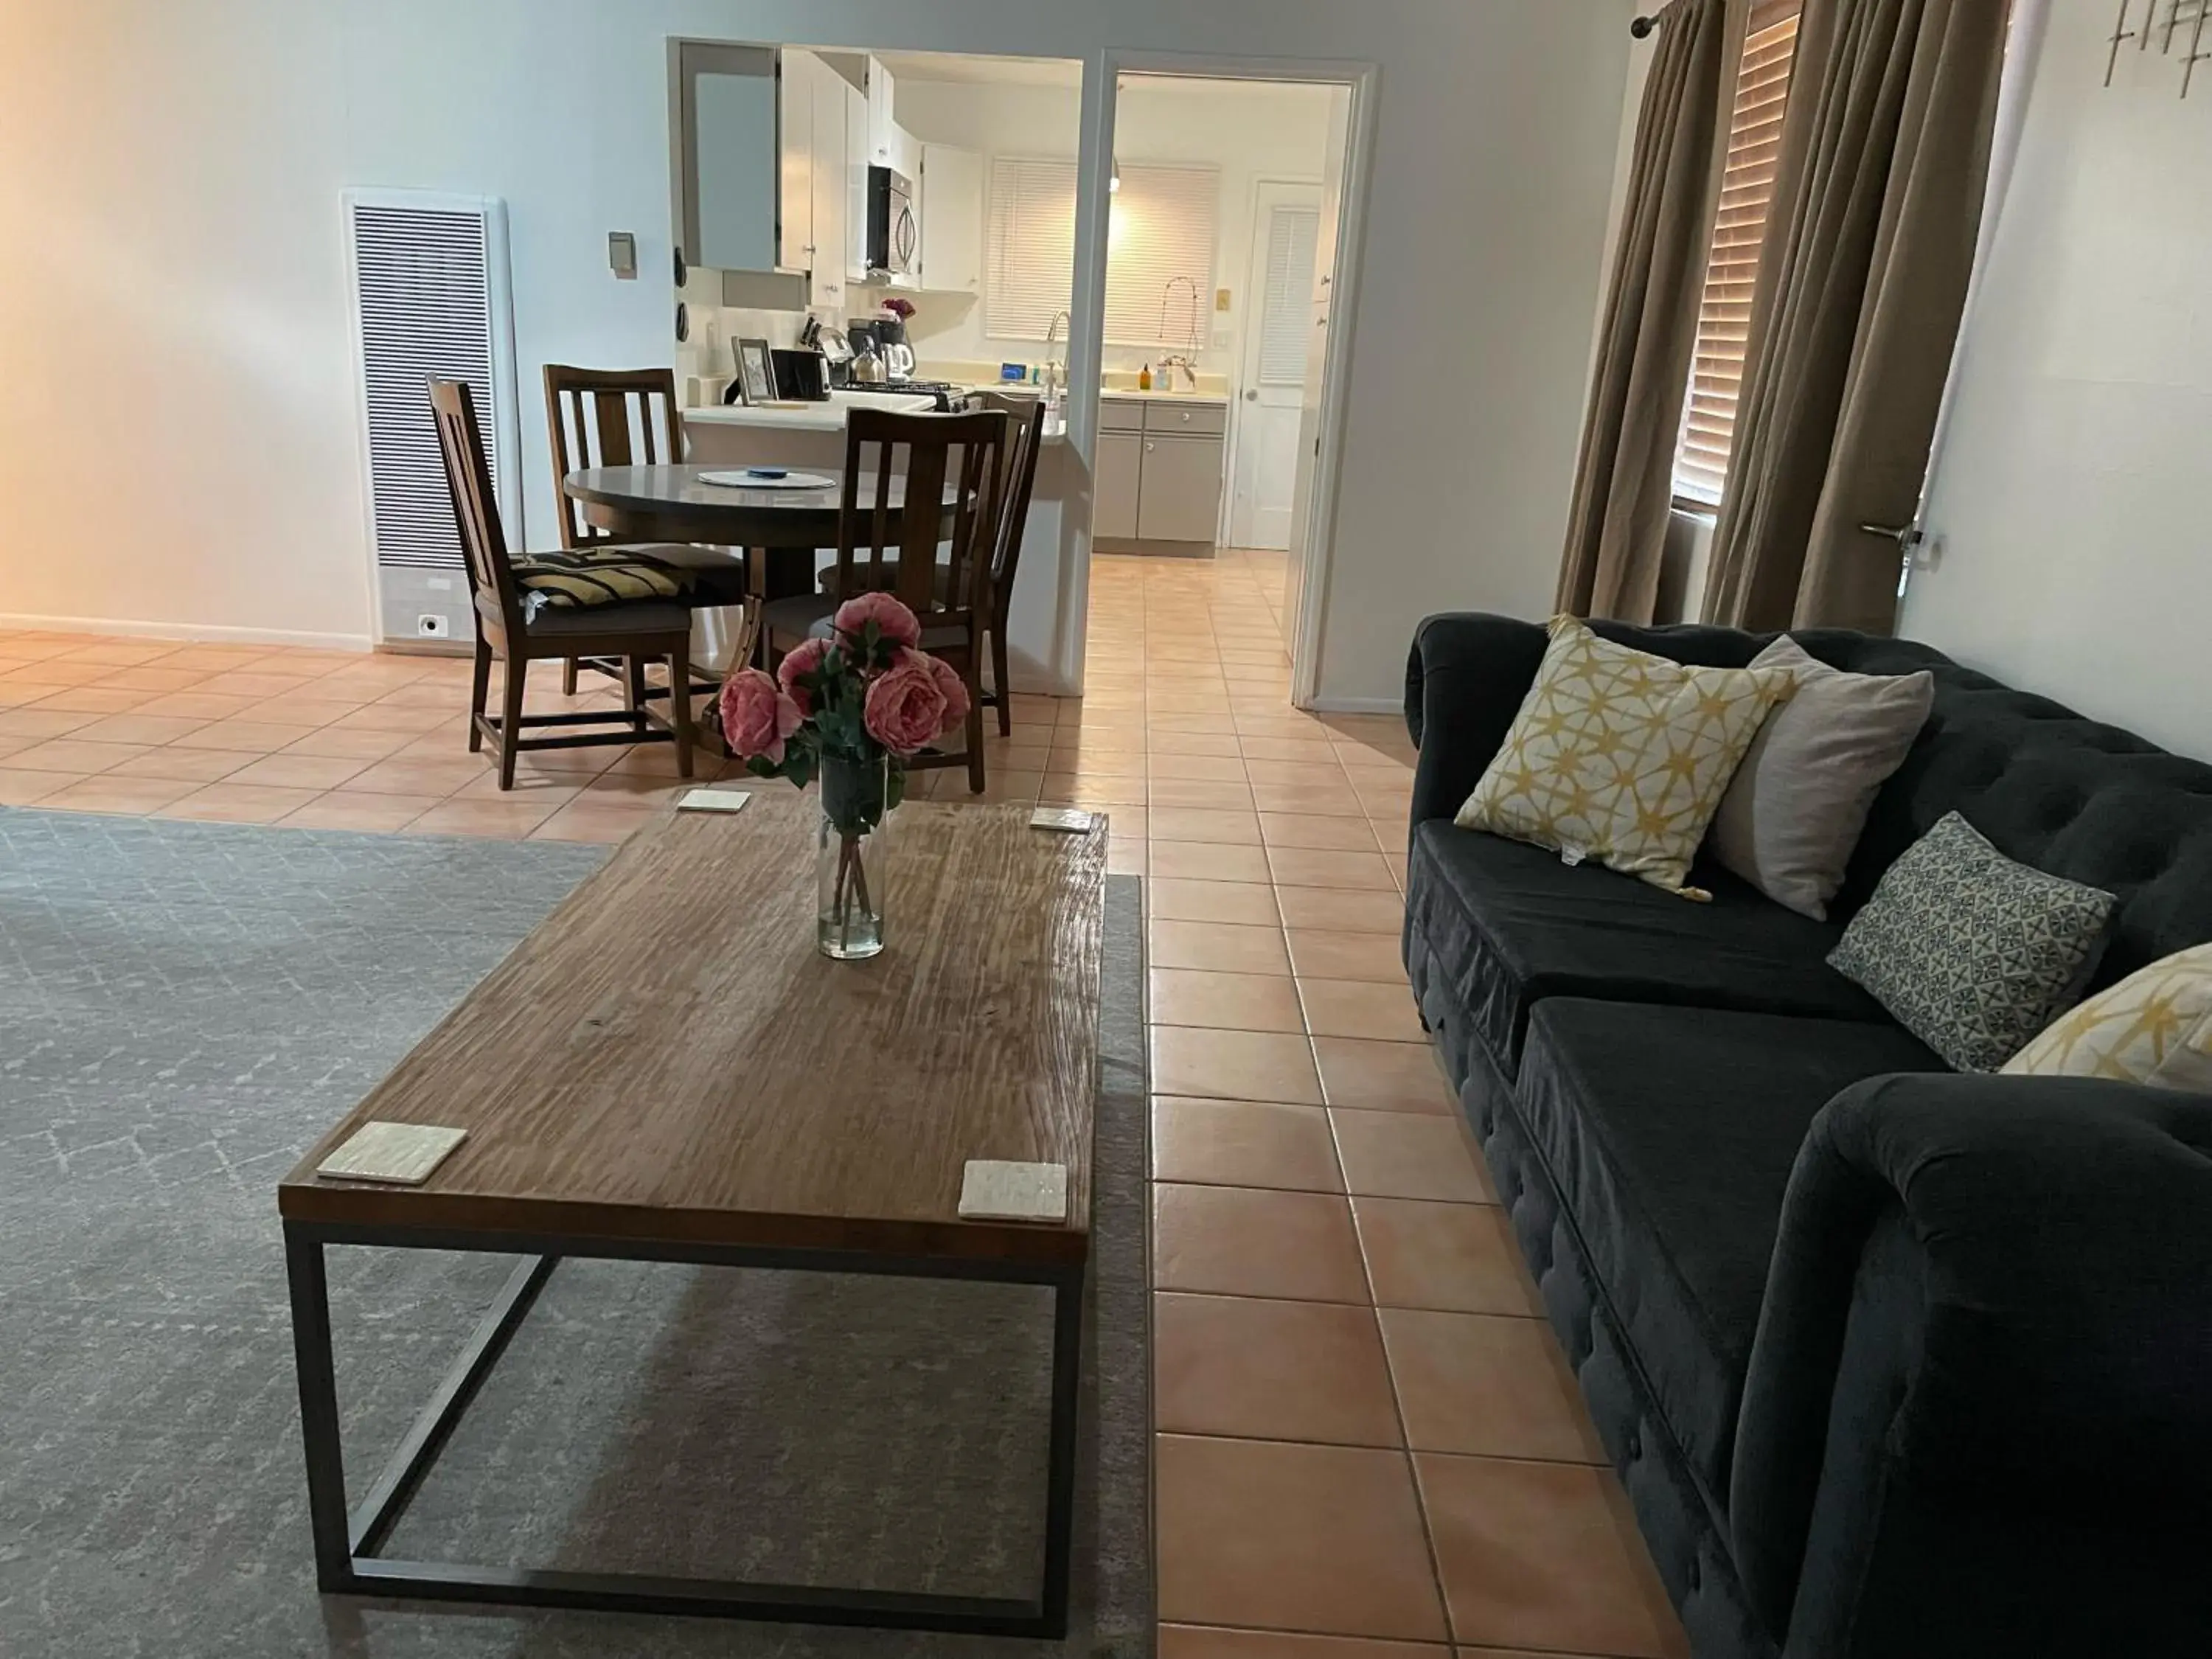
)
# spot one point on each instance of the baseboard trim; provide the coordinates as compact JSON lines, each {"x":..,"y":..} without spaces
{"x":211,"y":633}
{"x":1358,"y":705}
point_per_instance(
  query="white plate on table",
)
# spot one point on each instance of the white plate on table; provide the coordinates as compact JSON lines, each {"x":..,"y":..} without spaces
{"x":774,"y":478}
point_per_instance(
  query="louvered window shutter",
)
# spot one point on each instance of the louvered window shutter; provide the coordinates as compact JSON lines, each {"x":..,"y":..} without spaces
{"x":1162,"y":229}
{"x":1031,"y":253}
{"x":1762,"y":93}
{"x":431,"y":282}
{"x":1285,"y":319}
{"x":1159,"y":256}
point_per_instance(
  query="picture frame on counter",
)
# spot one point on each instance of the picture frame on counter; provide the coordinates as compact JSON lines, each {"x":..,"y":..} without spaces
{"x":756,"y":373}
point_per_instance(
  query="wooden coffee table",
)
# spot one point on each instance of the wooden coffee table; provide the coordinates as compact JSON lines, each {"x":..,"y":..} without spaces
{"x":667,"y":1070}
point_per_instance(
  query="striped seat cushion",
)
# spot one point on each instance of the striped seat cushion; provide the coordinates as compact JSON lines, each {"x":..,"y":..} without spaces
{"x":597,"y":575}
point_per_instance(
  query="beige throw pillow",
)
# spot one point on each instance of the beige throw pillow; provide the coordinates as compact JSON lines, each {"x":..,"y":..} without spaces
{"x":2155,"y":1026}
{"x":1621,"y":756}
{"x":1792,"y":816}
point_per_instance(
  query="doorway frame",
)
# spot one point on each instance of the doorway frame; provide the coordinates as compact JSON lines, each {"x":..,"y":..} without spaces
{"x":1101,"y":97}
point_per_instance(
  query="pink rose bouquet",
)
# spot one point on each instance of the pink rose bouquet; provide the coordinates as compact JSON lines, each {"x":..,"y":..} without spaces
{"x":849,"y":710}
{"x":867,"y":693}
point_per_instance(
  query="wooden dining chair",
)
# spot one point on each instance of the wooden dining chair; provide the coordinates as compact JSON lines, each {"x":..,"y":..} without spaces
{"x":634,"y":632}
{"x":626,"y":418}
{"x":1026,"y":419}
{"x":941,"y":576}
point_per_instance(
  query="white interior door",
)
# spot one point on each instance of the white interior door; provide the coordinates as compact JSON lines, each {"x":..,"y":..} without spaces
{"x":1285,"y":231}
{"x":1309,"y":398}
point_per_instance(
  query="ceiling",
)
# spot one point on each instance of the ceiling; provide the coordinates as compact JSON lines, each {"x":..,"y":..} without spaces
{"x":984,"y":71}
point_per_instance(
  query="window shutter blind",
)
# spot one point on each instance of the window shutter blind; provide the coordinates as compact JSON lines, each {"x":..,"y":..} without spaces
{"x":1162,"y":236}
{"x":1762,"y":91}
{"x":1163,"y":229}
{"x":1284,"y":323}
{"x":1031,"y":235}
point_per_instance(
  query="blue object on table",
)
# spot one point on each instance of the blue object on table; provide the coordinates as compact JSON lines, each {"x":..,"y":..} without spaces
{"x":768,"y":472}
{"x":1013,"y":372}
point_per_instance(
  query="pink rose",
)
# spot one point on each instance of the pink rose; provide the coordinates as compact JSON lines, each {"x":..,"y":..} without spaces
{"x":906,"y":708}
{"x":894,"y":624}
{"x":758,"y":715}
{"x":806,"y":657}
{"x":950,"y":686}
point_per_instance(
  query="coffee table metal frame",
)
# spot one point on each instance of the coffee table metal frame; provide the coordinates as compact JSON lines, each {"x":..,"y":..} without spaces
{"x":348,"y":1544}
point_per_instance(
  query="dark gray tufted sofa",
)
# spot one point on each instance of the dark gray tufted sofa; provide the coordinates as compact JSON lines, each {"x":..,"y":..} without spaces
{"x":1893,"y":1361}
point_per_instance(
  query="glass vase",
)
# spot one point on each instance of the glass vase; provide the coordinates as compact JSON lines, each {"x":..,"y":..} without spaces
{"x":852,"y":858}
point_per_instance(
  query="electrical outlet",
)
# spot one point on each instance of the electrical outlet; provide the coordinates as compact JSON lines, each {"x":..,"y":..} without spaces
{"x":430,"y":625}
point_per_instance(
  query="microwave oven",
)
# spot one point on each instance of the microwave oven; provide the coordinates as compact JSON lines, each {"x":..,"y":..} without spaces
{"x":894,"y":232}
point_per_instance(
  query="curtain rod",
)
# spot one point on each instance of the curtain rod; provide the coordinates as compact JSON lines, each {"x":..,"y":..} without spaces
{"x":1643,"y":26}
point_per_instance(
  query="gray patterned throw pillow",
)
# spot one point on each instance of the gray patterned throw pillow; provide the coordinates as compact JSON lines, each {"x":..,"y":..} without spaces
{"x":1970,"y":951}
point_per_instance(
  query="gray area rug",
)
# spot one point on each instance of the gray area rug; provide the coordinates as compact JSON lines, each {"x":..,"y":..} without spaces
{"x":183,"y":1009}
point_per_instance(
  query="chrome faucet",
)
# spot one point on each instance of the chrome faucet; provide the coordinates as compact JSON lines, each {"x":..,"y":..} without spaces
{"x":1181,"y":360}
{"x":1055,"y":372}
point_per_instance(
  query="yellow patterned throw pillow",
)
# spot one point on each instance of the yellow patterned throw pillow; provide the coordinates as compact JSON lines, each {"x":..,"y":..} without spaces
{"x":2155,"y":1026}
{"x":1622,"y":756}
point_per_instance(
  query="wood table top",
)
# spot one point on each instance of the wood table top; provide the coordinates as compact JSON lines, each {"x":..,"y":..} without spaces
{"x":667,"y":1057}
{"x":675,"y":501}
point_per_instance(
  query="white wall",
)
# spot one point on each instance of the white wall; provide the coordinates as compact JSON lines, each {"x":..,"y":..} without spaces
{"x":2075,"y":489}
{"x":179,"y":440}
{"x":1249,"y":131}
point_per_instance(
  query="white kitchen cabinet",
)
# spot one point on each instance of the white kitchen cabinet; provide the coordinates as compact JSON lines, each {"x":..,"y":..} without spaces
{"x":882,"y":89}
{"x":1114,"y":485}
{"x":1179,"y":489}
{"x":856,"y":185}
{"x":814,"y":168}
{"x":794,"y":235}
{"x":951,"y":187}
{"x":831,"y":188}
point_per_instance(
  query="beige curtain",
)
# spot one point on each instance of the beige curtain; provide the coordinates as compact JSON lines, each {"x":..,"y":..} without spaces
{"x":1884,"y":149}
{"x":1625,"y":479}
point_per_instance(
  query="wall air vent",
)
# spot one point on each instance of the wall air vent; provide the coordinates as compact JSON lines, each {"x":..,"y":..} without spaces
{"x":432,"y":298}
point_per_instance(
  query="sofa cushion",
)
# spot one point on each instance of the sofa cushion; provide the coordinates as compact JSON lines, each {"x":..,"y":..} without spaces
{"x":1511,"y":925}
{"x":1620,"y":757}
{"x":1974,"y":952}
{"x":1670,"y":1134}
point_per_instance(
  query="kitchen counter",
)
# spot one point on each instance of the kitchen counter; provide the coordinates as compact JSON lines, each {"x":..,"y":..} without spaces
{"x":1157,"y":396}
{"x":807,"y":417}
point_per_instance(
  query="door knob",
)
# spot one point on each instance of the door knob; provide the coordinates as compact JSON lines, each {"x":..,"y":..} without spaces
{"x":1253,"y":396}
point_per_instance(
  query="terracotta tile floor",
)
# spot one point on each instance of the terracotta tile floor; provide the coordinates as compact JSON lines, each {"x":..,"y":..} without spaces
{"x":1369,"y":1445}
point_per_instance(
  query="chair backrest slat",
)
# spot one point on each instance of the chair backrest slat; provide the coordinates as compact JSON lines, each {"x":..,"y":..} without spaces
{"x":476,"y":510}
{"x":590,"y":413}
{"x":1019,"y":481}
{"x":865,"y":538}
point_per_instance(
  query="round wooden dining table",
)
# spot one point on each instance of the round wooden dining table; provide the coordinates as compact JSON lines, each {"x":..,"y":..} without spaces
{"x":776,"y":532}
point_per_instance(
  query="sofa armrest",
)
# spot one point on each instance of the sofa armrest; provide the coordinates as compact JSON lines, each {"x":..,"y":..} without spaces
{"x":1979,"y":1410}
{"x":1465,"y":678}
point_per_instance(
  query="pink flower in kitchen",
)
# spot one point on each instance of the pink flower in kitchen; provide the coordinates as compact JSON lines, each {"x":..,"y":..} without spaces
{"x":758,"y":716}
{"x":899,"y":308}
{"x":892,"y":622}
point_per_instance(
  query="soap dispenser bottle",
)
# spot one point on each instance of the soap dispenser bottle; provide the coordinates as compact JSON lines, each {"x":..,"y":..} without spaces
{"x":1144,"y":378}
